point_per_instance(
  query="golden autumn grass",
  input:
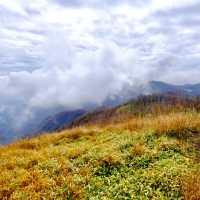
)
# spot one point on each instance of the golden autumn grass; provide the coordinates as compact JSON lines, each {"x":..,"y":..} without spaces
{"x":150,"y":157}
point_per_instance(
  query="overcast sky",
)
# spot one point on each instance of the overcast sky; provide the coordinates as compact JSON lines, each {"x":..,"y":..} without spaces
{"x":73,"y":52}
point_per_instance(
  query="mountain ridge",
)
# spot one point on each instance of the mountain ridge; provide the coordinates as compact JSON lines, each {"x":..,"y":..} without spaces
{"x":155,"y":87}
{"x":65,"y":118}
{"x":185,"y":89}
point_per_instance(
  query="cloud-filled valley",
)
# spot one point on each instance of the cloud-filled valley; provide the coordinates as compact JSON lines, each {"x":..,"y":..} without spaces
{"x":60,"y":54}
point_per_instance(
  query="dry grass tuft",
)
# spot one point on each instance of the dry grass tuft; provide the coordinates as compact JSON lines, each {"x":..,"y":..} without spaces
{"x":110,"y":160}
{"x":191,"y":186}
{"x":84,"y":132}
{"x":178,"y":125}
{"x":29,"y":145}
{"x":131,"y":124}
{"x":134,"y":124}
{"x":76,"y":134}
{"x":74,"y":153}
{"x":138,"y":150}
{"x":74,"y":191}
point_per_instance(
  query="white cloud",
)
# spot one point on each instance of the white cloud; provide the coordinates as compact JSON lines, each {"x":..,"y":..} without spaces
{"x":70,"y":55}
{"x":165,"y":5}
{"x":13,"y":6}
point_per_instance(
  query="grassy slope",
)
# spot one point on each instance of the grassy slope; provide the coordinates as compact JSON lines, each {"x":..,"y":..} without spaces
{"x":153,"y":105}
{"x":142,"y":158}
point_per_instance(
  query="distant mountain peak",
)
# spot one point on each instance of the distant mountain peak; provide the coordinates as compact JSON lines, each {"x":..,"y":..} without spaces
{"x":186,"y":89}
{"x":58,"y":121}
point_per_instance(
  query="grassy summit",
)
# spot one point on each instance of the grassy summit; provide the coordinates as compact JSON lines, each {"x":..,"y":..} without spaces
{"x":141,"y":157}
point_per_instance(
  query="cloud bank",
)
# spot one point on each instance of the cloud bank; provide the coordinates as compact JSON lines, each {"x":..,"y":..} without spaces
{"x":69,"y":54}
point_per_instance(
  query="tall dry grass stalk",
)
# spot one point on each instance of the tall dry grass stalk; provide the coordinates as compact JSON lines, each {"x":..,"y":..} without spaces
{"x":174,"y":124}
{"x":191,"y":186}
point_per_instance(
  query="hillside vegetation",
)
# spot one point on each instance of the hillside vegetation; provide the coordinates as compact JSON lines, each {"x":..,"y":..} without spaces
{"x":151,"y":155}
